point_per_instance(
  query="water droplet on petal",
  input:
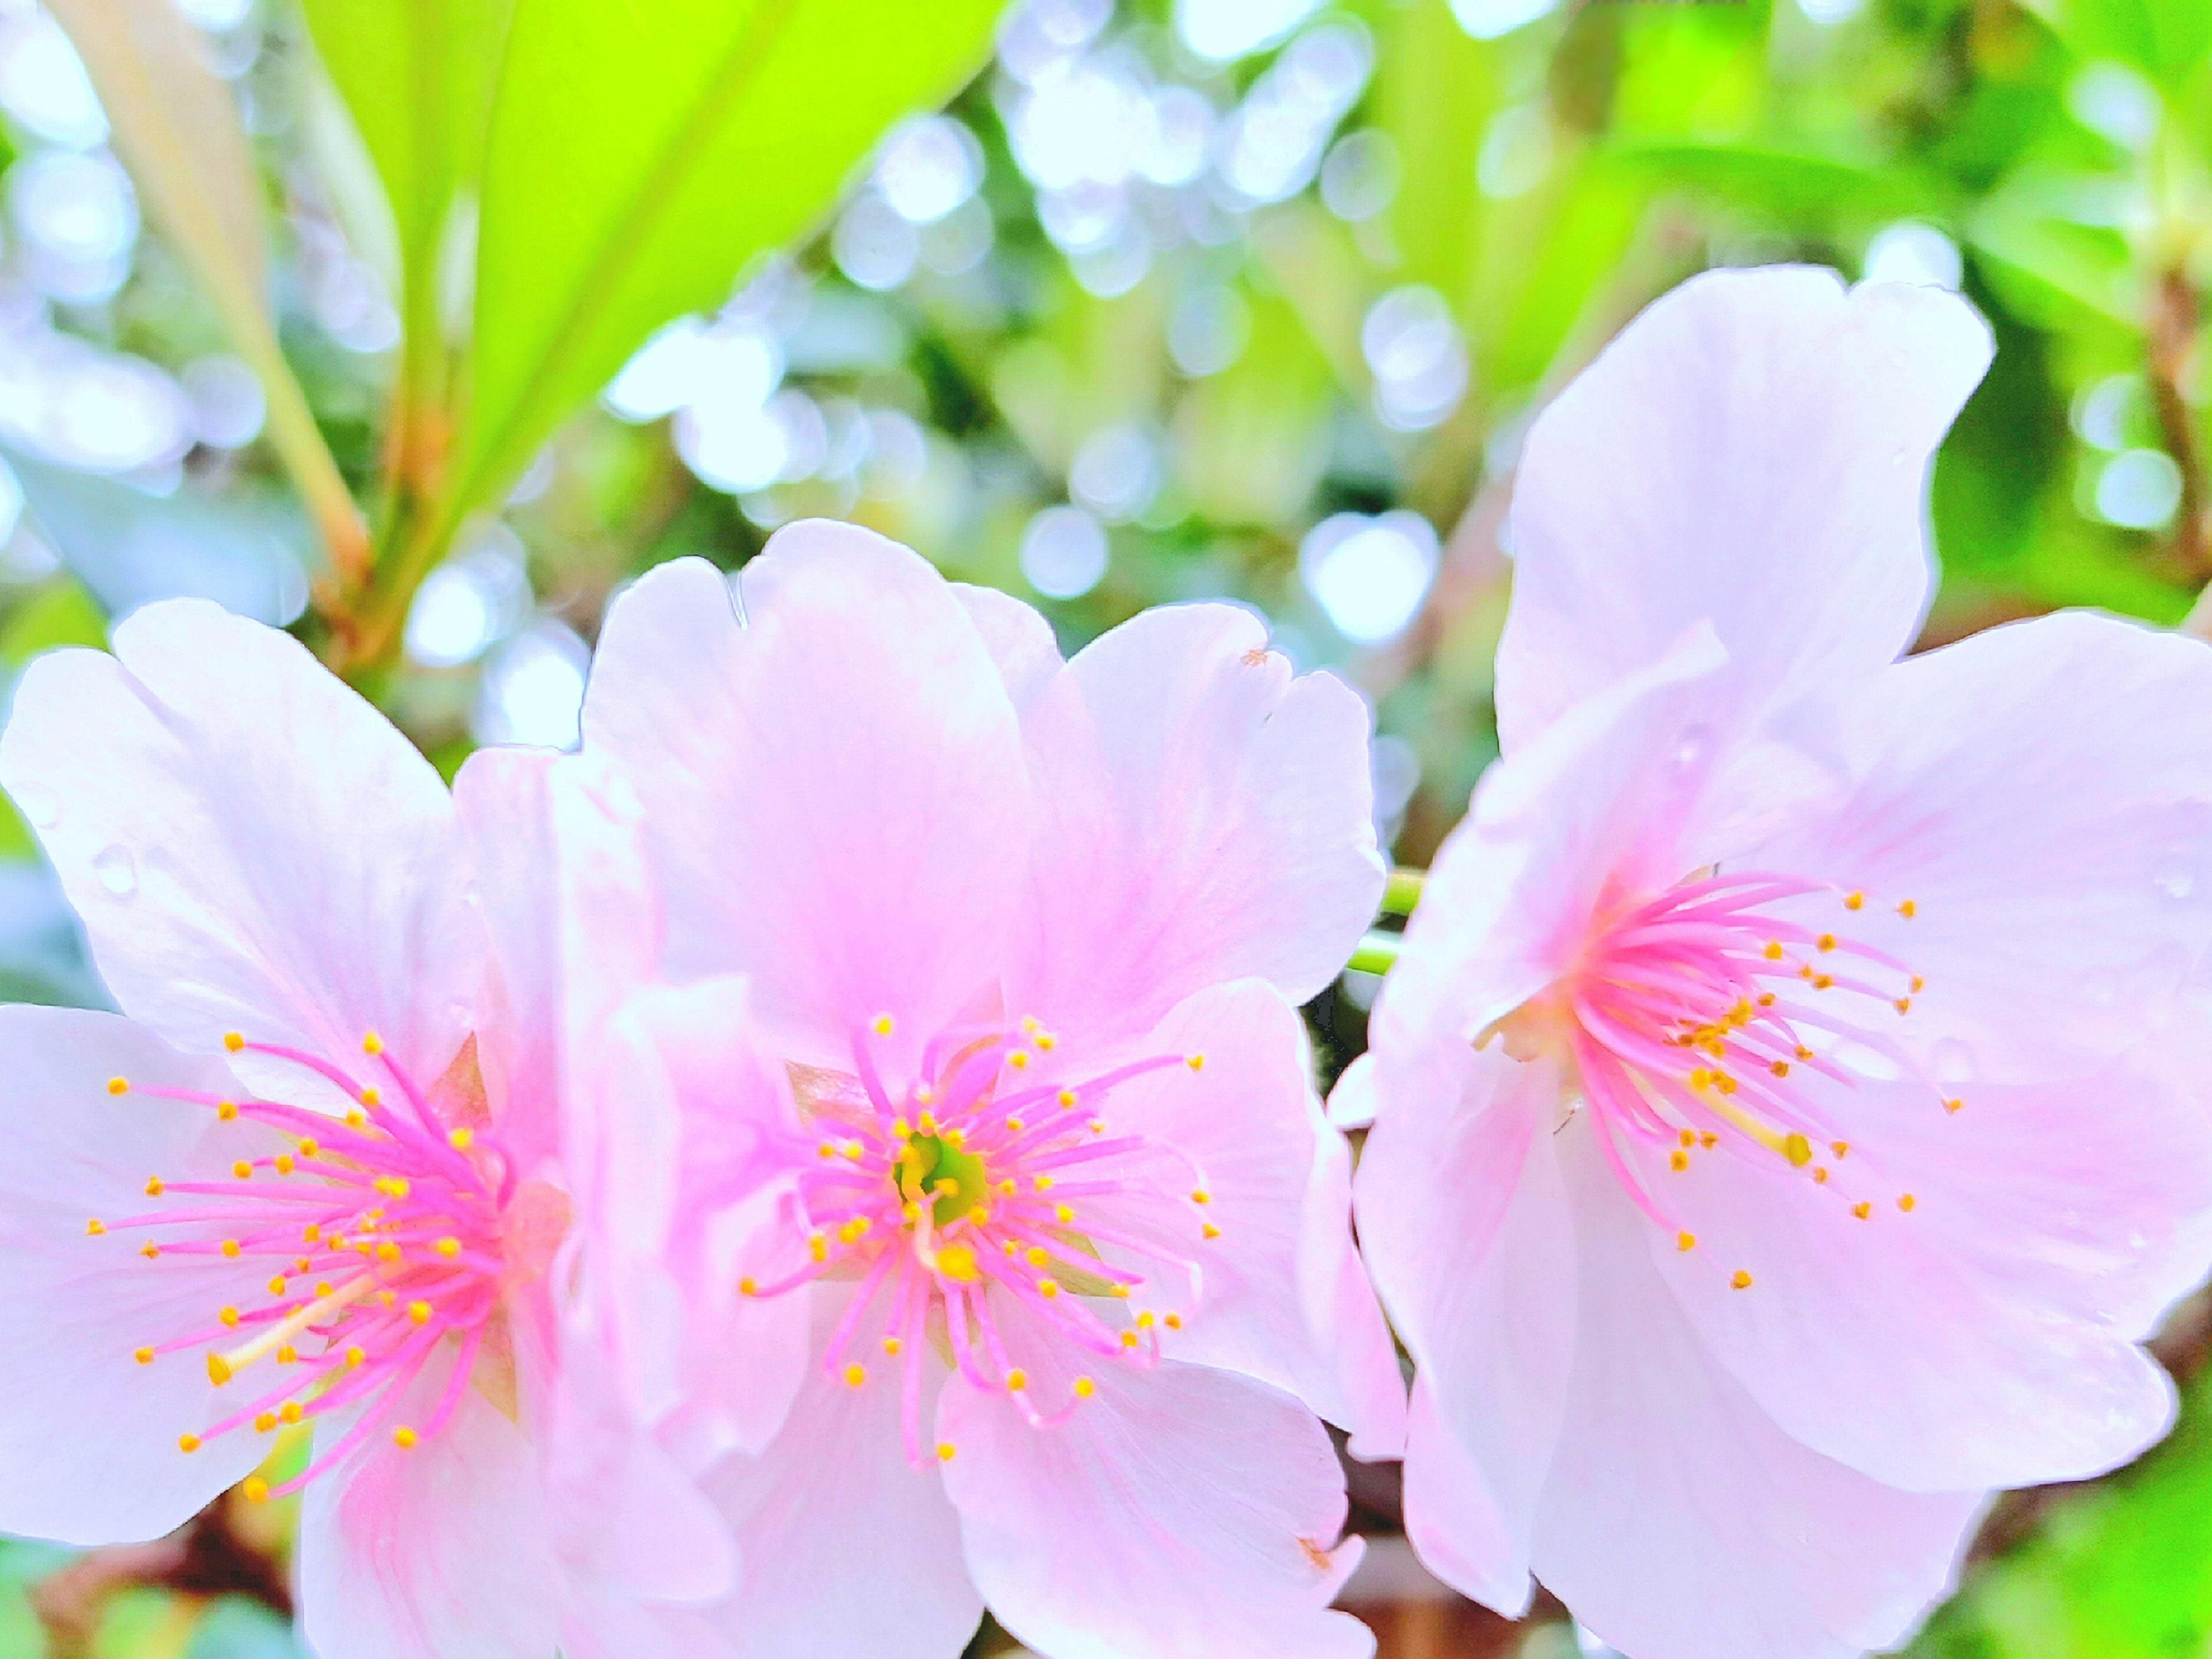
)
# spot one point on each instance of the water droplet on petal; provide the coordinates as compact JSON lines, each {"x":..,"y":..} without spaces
{"x":1690,"y":749}
{"x":117,"y":870}
{"x":2176,"y":877}
{"x":39,"y":804}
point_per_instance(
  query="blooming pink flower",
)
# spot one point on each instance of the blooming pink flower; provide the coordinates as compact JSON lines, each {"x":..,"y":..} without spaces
{"x":1763,"y":1168}
{"x":1025,"y":940}
{"x":327,"y":1172}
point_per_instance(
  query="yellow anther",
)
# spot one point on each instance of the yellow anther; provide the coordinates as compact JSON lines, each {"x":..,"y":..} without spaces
{"x":1688,"y":1139}
{"x":461,"y":1140}
{"x":1774,"y":949}
{"x":371,"y":1098}
{"x":354,"y":1357}
{"x":891,"y":1346}
{"x":1685,"y":1241}
{"x":955,"y":1138}
{"x":312,"y":1233}
{"x":1043,"y":1183}
{"x":389,"y":1299}
{"x":282,"y":1163}
{"x":287,"y":1355}
{"x":1173,"y":1321}
{"x":143,"y":1356}
{"x":263,"y":1422}
{"x":1803,"y":1053}
{"x":1708,"y":1139}
{"x":1063,"y":1214}
{"x":1797,"y":1150}
{"x":928,"y":1124}
{"x":945,"y":1451}
{"x":1678,"y":1160}
{"x":388,"y":1253}
{"x":290,"y":1411}
{"x":256,"y":1489}
{"x":1820,"y":1175}
{"x":149,"y":1249}
{"x":854,"y":1230}
{"x":1854,"y":901}
{"x":1741,"y":1281}
{"x":1121,"y":1290}
{"x":1823,"y":982}
{"x":1903,"y":1004}
{"x":117,"y":1085}
{"x":153,"y":1186}
{"x":1048,"y":1288}
{"x":910,"y":1212}
{"x":1919,"y":985}
{"x":1766,"y":998}
{"x":233,"y":1041}
{"x":1084,"y":1388}
{"x":827,"y":1149}
{"x":419,"y":1312}
{"x":1780,"y":1068}
{"x":242,"y":1170}
{"x":1017,"y":1380}
{"x":1038,"y":1257}
{"x":1006,"y":1186}
{"x":449,"y":1247}
{"x":1199,"y":1195}
{"x":1905,"y":1202}
{"x":978,"y":1217}
{"x":1145,"y":1320}
{"x":856,"y":1374}
{"x":1129,"y":1339}
{"x":1019,"y":1060}
{"x":853,"y":1150}
{"x":1196,"y":1062}
{"x":1840,"y":1148}
{"x":94,"y":1227}
{"x":1953,"y":1105}
{"x":957,"y":1261}
{"x":1011,"y":1250}
{"x":372,"y":1044}
{"x":819,"y":1247}
{"x":1862,"y":1210}
{"x":1066,"y":1098}
{"x":900,"y":1130}
{"x":1015,"y":1126}
{"x":277,"y":1285}
{"x":227,"y":1110}
{"x":1825,"y":942}
{"x":188,"y":1442}
{"x":1210,"y":1230}
{"x":1097,"y":1126}
{"x":230,"y":1247}
{"x":355,"y":1117}
{"x":884,"y":1025}
{"x":405,"y":1437}
{"x":1907,"y":909}
{"x":218,"y":1369}
{"x":924,"y":1095}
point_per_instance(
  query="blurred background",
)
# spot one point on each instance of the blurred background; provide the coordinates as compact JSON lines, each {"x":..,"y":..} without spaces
{"x":1216,"y":298}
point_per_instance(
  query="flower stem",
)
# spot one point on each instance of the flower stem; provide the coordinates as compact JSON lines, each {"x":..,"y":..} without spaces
{"x":1376,"y":953}
{"x":1402,"y":891}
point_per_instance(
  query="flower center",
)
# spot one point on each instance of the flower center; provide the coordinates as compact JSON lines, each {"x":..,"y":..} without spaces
{"x":982,"y":1175}
{"x":1695,"y":1020}
{"x":386,"y":1232}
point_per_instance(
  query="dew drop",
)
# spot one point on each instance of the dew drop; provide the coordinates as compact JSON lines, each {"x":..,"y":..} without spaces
{"x":39,"y":804}
{"x":117,"y":870}
{"x":1690,"y":749}
{"x":2176,"y":877}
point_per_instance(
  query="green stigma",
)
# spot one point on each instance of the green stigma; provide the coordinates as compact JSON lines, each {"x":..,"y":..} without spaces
{"x":928,"y":1163}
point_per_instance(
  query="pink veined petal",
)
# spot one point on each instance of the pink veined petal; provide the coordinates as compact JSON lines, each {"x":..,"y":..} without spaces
{"x":1184,"y":1513}
{"x":1601,"y":799}
{"x":1754,"y":445}
{"x":693,"y":1120}
{"x":834,"y":792}
{"x":1284,"y":1299}
{"x":1203,"y":816}
{"x":440,"y":1551}
{"x":629,"y":1528}
{"x":1678,"y":1521}
{"x":1986,"y":1336}
{"x":846,"y":1549}
{"x":252,"y":846}
{"x":1019,"y":639}
{"x":88,"y":1449}
{"x":2056,"y":845}
{"x":1464,"y":1224}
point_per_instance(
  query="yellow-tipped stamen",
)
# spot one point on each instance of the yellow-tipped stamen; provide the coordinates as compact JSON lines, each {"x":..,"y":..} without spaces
{"x":117,"y":1085}
{"x":256,"y":1489}
{"x":405,"y":1437}
{"x":1741,"y":1281}
{"x":188,"y":1442}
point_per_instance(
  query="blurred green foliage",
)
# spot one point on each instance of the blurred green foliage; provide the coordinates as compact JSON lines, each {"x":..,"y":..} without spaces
{"x":1211,"y":297}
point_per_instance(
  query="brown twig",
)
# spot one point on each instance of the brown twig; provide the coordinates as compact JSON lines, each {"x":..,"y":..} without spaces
{"x":2175,"y":311}
{"x":204,"y":1559}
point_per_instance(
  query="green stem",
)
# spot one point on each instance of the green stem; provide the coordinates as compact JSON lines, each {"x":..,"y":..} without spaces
{"x":1402,"y":891}
{"x":1376,"y":953}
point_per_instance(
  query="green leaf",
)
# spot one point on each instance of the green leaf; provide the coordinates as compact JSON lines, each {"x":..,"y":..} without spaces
{"x":176,"y":127}
{"x":642,"y":155}
{"x":417,"y":76}
{"x":2169,"y":39}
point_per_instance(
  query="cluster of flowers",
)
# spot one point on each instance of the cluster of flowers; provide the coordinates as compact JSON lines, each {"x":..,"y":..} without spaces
{"x":841,"y":1150}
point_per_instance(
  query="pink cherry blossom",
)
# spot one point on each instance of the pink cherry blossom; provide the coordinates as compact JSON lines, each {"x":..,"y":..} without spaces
{"x":1021,"y":944}
{"x":1771,"y":1153}
{"x":325,"y":1169}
